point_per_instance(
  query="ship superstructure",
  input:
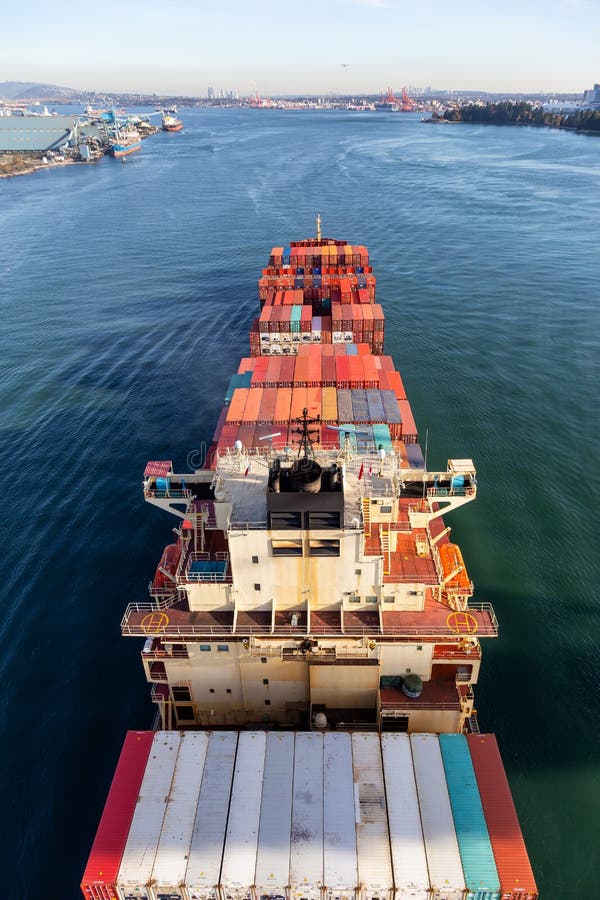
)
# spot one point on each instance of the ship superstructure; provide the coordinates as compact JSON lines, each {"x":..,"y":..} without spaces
{"x":313,"y":570}
{"x":313,"y":587}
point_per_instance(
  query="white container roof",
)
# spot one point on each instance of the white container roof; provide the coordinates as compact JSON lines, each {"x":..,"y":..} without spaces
{"x":239,"y":856}
{"x":372,"y":834}
{"x":273,"y":856}
{"x":144,"y":833}
{"x":340,"y":869}
{"x":406,"y":837}
{"x":306,"y":856}
{"x":441,"y":846}
{"x":174,"y":846}
{"x":206,"y":849}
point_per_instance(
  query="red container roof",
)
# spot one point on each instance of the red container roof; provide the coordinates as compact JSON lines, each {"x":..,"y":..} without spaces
{"x":510,"y":853}
{"x":111,"y":836}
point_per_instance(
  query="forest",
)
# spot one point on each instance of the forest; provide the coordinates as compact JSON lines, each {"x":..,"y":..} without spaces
{"x":522,"y":113}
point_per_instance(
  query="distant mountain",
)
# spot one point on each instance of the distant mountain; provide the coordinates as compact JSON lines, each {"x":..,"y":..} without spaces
{"x":31,"y":90}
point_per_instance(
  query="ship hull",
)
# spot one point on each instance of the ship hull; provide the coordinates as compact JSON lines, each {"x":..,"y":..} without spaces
{"x":120,"y":150}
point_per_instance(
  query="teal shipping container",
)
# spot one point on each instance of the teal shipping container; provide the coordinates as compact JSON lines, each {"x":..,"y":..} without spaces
{"x":296,"y":318}
{"x":382,"y":437}
{"x":477,"y":857}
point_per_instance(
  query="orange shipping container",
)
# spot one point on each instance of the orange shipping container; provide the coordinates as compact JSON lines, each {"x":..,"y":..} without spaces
{"x":252,"y":407}
{"x":299,"y":399}
{"x":235,"y":413}
{"x":329,"y":404}
{"x":283,"y":404}
{"x":313,"y":401}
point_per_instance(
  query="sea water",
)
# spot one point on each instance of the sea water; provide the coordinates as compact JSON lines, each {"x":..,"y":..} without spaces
{"x":126,"y":294}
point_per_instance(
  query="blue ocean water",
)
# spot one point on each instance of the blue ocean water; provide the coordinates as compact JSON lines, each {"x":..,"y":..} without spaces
{"x":126,"y":292}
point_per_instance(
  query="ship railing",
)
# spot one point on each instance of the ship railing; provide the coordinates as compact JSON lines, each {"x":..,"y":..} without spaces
{"x":179,"y":630}
{"x":172,"y":494}
{"x":451,"y":492}
{"x":259,"y":525}
{"x":393,"y":708}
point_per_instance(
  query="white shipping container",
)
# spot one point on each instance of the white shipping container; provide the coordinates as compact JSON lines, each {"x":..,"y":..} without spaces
{"x":372,"y":834}
{"x":273,"y":856}
{"x":206,"y":850}
{"x":173,"y":849}
{"x":239,"y":855}
{"x":340,"y":868}
{"x":406,"y":836}
{"x":306,"y":855}
{"x":138,"y":857}
{"x":443,"y":859}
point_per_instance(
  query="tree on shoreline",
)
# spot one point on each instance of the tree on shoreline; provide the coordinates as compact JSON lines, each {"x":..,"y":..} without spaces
{"x":521,"y":113}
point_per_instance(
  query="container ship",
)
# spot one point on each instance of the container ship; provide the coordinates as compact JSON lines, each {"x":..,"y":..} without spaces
{"x":311,"y":639}
{"x":171,"y":122}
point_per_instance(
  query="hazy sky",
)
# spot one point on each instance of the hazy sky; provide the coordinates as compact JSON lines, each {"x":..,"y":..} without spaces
{"x":181,"y":46}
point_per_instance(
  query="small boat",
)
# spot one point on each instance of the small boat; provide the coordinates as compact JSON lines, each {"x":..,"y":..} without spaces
{"x":171,"y":123}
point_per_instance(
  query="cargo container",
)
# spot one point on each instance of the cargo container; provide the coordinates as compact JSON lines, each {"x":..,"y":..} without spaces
{"x":136,"y":866}
{"x":299,"y":400}
{"x":235,"y":413}
{"x":360,"y":409}
{"x":283,"y":404}
{"x":340,"y":865}
{"x":375,"y":875}
{"x":409,"y":429}
{"x":329,"y":405}
{"x":206,"y":849}
{"x":274,"y":836}
{"x":241,"y":842}
{"x":100,"y":876}
{"x":382,"y":437}
{"x":406,"y":836}
{"x":172,"y":853}
{"x":441,"y":846}
{"x":306,"y":854}
{"x":253,"y":402}
{"x":266,"y":411}
{"x":479,"y":867}
{"x":344,"y":403}
{"x":414,"y":456}
{"x":510,"y":854}
{"x":375,"y":406}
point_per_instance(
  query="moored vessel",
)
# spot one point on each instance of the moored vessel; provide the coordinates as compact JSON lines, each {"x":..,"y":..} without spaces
{"x":171,"y":123}
{"x":312,"y":640}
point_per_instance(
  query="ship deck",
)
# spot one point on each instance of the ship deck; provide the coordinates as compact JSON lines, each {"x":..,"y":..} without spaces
{"x":436,"y":620}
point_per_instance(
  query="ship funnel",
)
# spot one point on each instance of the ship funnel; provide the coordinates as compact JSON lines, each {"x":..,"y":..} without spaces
{"x":305,"y":476}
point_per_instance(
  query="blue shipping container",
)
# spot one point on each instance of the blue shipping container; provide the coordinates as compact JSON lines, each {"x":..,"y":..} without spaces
{"x":375,"y":403}
{"x":391,"y":408}
{"x":414,"y":456}
{"x":351,"y":350}
{"x":477,"y":857}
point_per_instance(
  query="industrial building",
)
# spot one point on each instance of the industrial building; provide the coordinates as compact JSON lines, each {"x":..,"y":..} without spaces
{"x":31,"y":134}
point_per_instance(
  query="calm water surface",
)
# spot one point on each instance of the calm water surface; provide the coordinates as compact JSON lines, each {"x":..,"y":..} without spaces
{"x":126,"y":293}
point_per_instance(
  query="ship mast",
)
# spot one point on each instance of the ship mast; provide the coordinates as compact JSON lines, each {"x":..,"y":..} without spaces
{"x":318,"y":227}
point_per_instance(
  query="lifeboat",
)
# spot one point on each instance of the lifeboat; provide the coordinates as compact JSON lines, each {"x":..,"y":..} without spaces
{"x":168,"y":562}
{"x":451,"y":558}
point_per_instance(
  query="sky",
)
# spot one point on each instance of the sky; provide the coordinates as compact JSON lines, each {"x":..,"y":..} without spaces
{"x":303,"y":46}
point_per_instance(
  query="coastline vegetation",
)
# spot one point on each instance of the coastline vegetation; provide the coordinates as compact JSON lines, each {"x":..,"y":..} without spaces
{"x":507,"y":113}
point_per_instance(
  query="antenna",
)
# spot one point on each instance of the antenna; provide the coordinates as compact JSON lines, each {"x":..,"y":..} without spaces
{"x":307,"y":434}
{"x":425,"y":472}
{"x":318,"y":226}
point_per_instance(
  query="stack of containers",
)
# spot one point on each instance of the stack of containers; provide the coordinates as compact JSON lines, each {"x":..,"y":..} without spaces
{"x":136,"y":866}
{"x":340,"y":872}
{"x":306,"y":856}
{"x":206,"y":847}
{"x":479,"y":867}
{"x":441,"y":847}
{"x":510,"y":854}
{"x":274,"y":836}
{"x":372,"y":832}
{"x":100,"y":876}
{"x":172,"y":852}
{"x":411,"y":875}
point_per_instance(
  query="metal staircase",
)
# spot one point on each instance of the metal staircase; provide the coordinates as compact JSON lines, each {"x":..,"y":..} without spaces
{"x":384,"y":535}
{"x":366,"y":512}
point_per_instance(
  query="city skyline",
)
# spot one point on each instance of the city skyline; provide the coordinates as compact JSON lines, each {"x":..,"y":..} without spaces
{"x":341,"y":46}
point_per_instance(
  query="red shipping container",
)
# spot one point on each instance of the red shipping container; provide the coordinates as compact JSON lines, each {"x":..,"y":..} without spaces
{"x":246,"y":434}
{"x":246,"y":365}
{"x":356,"y":372}
{"x":273,"y":371}
{"x":342,"y":369}
{"x":328,"y":371}
{"x":286,"y":374}
{"x":228,"y":435}
{"x":512,"y":861}
{"x":409,"y":429}
{"x":306,"y":319}
{"x":266,"y":412}
{"x":372,"y":379}
{"x":220,"y":423}
{"x":259,"y":373}
{"x":301,"y":370}
{"x":101,"y":872}
{"x":314,"y":369}
{"x":396,"y":385}
{"x":387,"y":363}
{"x":313,"y":401}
